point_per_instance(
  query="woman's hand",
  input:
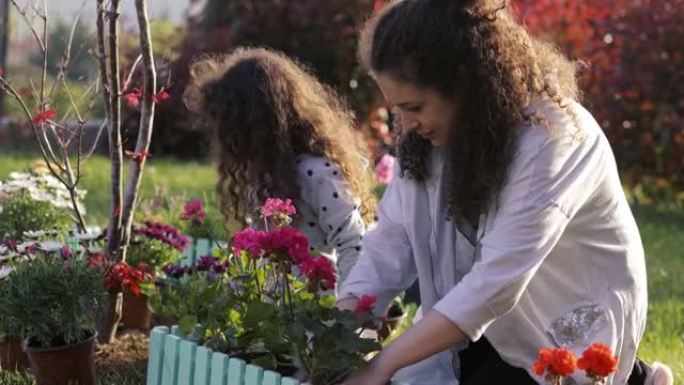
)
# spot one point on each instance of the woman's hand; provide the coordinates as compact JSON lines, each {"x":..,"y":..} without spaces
{"x":348,"y":303}
{"x":431,"y":335}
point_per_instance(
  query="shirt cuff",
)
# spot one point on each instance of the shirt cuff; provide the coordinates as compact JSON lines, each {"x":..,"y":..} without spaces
{"x":470,"y":316}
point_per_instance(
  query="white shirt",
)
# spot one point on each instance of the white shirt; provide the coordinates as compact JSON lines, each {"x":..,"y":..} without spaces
{"x":558,"y":262}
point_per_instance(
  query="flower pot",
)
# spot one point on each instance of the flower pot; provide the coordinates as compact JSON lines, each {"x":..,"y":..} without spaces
{"x":136,"y":312}
{"x":64,"y":365}
{"x":163,"y":320}
{"x":12,"y":357}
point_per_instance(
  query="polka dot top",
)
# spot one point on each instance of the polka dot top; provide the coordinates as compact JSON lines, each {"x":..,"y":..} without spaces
{"x":327,"y":214}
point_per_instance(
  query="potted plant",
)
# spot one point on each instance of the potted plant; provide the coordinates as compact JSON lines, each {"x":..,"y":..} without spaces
{"x":153,"y":246}
{"x":55,"y":301}
{"x":12,"y":357}
{"x":134,"y":282}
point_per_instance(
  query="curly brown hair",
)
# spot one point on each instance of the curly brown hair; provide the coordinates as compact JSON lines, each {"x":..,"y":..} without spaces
{"x":264,"y":110}
{"x":475,"y":53}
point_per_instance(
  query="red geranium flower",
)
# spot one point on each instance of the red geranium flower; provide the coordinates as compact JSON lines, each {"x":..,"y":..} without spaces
{"x":320,"y":271}
{"x":555,"y":362}
{"x":365,"y":304}
{"x":598,"y":361}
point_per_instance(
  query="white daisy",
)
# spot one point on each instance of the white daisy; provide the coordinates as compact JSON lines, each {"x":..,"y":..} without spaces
{"x":90,"y":234}
{"x":50,"y":246}
{"x":5,"y":271}
{"x":34,"y":234}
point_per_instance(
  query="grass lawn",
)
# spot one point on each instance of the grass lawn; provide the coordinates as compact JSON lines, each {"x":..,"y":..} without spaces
{"x":662,"y":232}
{"x":164,"y":176}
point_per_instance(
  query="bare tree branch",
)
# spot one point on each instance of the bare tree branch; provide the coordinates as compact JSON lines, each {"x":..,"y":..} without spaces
{"x":12,"y":92}
{"x":23,"y":14}
{"x":100,"y":129}
{"x":45,"y":57}
{"x":134,"y":67}
{"x":146,"y":116}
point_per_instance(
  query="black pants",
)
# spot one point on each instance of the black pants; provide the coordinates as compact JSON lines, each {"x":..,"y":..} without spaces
{"x":482,"y":365}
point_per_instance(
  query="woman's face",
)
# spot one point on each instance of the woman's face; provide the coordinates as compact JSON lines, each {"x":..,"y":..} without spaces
{"x":423,"y":110}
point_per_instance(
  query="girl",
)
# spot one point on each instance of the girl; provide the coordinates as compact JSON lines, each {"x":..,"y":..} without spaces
{"x":506,"y":205}
{"x":280,"y":133}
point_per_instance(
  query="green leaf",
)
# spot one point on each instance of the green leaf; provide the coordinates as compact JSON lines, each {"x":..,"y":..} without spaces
{"x":327,"y":301}
{"x":187,"y":323}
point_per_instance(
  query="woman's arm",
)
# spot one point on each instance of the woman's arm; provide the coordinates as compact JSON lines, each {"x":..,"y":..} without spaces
{"x":385,"y":266}
{"x":431,"y":335}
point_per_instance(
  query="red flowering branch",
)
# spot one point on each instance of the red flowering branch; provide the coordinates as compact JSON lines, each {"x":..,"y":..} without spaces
{"x":44,"y":116}
{"x":132,"y":97}
{"x":138,"y":157}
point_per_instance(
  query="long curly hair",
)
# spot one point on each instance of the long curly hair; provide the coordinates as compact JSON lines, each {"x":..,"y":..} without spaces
{"x":265,"y":109}
{"x":474,"y":53}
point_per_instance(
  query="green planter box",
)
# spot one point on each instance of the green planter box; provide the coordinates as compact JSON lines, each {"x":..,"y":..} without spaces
{"x":177,"y":361}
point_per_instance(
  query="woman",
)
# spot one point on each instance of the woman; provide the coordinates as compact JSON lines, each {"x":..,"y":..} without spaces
{"x":280,"y":133}
{"x":506,"y":205}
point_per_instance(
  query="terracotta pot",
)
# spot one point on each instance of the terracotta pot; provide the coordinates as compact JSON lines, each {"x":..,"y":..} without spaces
{"x":163,"y":320}
{"x":12,"y":356}
{"x":64,"y":365}
{"x":136,"y":312}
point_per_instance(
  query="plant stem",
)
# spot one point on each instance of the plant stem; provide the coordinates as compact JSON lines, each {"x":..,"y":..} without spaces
{"x":288,"y":294}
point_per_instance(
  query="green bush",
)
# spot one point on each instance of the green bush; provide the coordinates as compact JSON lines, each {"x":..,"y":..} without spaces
{"x":20,"y":213}
{"x":54,"y":302}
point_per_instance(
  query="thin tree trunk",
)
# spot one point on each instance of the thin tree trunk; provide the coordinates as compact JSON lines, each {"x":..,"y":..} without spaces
{"x":111,"y":85}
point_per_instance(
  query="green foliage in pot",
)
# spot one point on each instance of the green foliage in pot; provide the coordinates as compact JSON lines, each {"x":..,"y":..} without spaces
{"x":52,"y":300}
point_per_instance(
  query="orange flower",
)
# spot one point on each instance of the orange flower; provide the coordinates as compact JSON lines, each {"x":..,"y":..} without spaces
{"x":543,"y":362}
{"x":555,"y":362}
{"x":598,"y":360}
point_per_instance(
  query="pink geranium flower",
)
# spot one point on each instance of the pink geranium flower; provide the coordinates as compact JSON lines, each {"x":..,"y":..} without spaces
{"x":383,"y":170}
{"x":319,"y":271}
{"x":289,"y":240}
{"x":193,"y":211}
{"x":283,"y":241}
{"x":249,"y":240}
{"x":275,"y":206}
